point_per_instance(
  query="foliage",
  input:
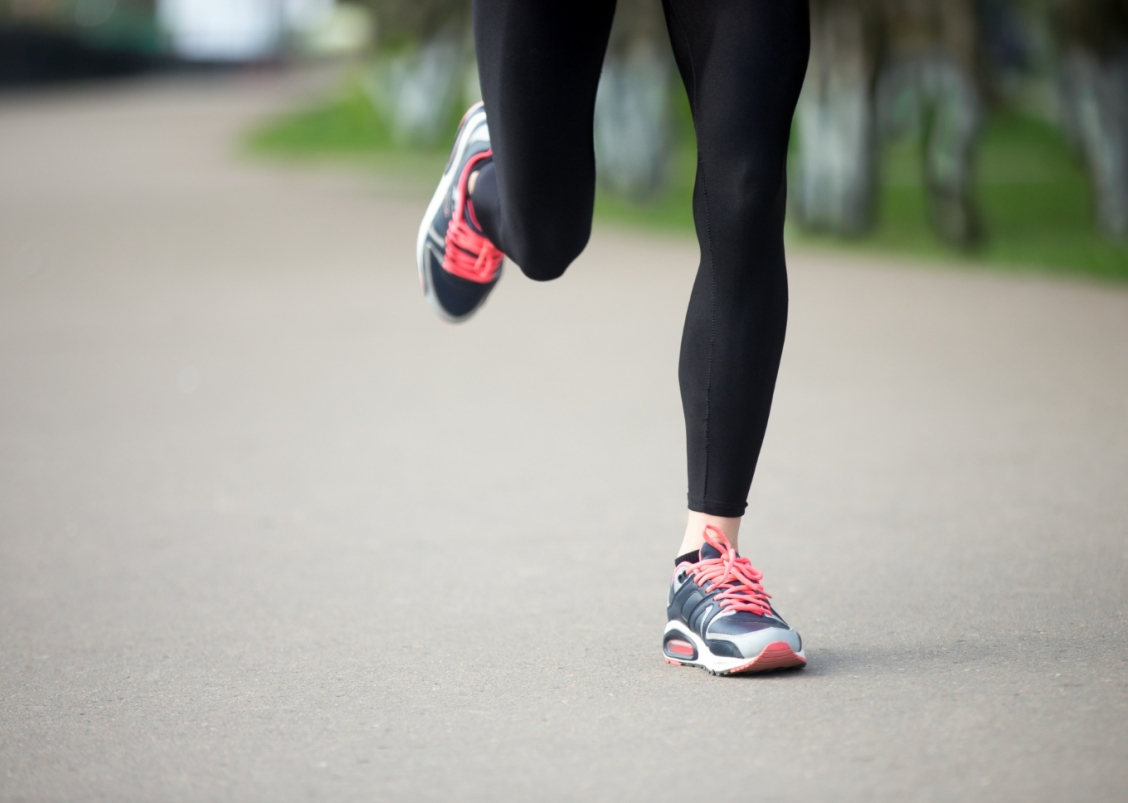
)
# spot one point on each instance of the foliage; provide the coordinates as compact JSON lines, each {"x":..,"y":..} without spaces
{"x":401,"y":23}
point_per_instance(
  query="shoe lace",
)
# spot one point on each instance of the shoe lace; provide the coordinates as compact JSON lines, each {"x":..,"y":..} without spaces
{"x":736,"y":575}
{"x":469,"y":255}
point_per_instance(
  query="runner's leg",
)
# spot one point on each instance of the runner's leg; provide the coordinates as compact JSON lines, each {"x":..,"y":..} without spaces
{"x":743,"y":63}
{"x":539,"y":65}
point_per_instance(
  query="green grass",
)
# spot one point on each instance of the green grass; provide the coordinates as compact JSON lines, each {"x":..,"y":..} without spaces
{"x":343,"y":128}
{"x":1032,"y":191}
{"x":346,"y":125}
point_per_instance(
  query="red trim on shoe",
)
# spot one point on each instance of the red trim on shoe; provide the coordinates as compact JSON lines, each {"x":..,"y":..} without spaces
{"x":777,"y":655}
{"x":680,"y":647}
{"x":469,"y":254}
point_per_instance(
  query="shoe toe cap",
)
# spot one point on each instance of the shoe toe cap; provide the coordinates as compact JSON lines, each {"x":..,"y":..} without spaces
{"x":752,"y":644}
{"x":750,"y":634}
{"x":457,"y":297}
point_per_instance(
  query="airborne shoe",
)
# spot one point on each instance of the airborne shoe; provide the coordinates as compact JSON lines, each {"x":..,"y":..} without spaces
{"x":458,"y":265}
{"x":720,"y":618}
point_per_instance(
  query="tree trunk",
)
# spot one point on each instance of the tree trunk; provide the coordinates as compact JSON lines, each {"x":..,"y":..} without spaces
{"x":930,"y":96}
{"x":414,"y":89}
{"x":632,"y":121}
{"x":1095,"y":95}
{"x":1098,"y":97}
{"x":927,"y":88}
{"x":835,"y":177}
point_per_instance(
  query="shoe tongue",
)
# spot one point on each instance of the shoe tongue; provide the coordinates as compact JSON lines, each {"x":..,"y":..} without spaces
{"x":709,"y":552}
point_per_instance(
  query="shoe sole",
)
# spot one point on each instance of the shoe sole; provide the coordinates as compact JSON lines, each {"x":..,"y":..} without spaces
{"x":461,"y":142}
{"x":775,"y":655}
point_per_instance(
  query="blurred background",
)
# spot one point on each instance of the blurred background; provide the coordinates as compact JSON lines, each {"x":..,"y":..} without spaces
{"x":254,"y":497}
{"x":992,"y":131}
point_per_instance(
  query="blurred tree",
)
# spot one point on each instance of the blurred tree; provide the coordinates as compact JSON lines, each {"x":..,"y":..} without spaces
{"x":883,"y":68}
{"x":928,"y":87}
{"x":1094,"y":37}
{"x":836,"y":172}
{"x":633,"y":122}
{"x":422,"y":49}
{"x":423,"y":65}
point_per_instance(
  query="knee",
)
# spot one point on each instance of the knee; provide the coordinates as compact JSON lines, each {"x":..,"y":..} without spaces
{"x":547,"y":253}
{"x":757,"y":193}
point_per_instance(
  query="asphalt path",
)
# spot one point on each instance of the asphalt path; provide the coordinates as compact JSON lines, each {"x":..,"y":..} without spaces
{"x":269,"y":531}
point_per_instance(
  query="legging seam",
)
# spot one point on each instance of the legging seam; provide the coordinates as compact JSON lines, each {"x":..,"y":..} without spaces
{"x":709,"y":248}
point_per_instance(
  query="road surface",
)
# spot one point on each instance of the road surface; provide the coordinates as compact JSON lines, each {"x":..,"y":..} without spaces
{"x":271,"y":532}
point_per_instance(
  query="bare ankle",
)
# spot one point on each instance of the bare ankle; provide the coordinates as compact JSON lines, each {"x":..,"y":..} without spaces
{"x":695,"y":530}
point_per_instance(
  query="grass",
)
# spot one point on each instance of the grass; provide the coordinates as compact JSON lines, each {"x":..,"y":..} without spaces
{"x":1031,"y":190}
{"x":343,"y":128}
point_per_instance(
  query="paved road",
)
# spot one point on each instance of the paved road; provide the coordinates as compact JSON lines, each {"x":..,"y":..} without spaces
{"x":270,"y":532}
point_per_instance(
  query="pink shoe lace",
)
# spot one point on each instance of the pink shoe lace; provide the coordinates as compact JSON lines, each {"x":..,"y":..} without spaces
{"x":736,"y":575}
{"x":469,"y":255}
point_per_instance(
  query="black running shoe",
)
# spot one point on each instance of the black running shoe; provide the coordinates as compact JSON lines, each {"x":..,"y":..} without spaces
{"x":720,"y":618}
{"x":458,"y":265}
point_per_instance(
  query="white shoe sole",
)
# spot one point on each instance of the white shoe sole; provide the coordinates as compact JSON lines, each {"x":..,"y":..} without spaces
{"x":775,"y":655}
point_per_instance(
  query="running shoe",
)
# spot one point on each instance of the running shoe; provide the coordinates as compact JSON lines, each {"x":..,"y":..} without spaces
{"x":458,"y":266}
{"x":720,"y":618}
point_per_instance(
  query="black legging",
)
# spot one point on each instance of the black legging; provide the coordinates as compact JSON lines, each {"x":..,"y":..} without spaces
{"x":743,"y":63}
